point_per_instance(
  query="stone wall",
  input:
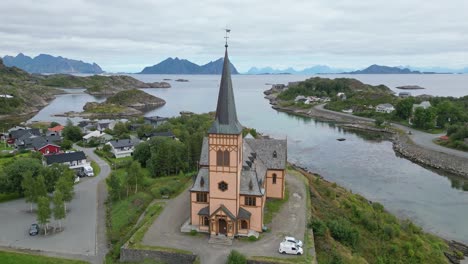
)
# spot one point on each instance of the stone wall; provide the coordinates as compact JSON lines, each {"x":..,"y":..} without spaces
{"x":137,"y":255}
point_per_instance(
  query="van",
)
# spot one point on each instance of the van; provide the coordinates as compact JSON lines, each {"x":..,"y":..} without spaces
{"x":88,"y":171}
{"x":290,"y":248}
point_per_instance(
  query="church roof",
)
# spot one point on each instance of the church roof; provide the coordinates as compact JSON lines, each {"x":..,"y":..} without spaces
{"x":226,"y":121}
{"x":266,"y":150}
{"x":201,"y":185}
{"x":243,"y":214}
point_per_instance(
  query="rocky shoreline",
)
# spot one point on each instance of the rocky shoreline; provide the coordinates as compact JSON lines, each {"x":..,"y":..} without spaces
{"x":402,"y":144}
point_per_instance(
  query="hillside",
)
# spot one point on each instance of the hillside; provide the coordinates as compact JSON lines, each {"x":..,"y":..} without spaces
{"x":378,"y":69}
{"x":21,"y":93}
{"x":132,"y":102}
{"x":45,"y":63}
{"x":97,"y":84}
{"x":183,"y":66}
{"x":330,"y":87}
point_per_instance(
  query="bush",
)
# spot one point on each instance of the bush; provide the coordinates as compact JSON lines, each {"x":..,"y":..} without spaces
{"x":344,"y":232}
{"x":236,"y":258}
{"x":318,"y":226}
{"x":252,"y":238}
{"x":193,"y":232}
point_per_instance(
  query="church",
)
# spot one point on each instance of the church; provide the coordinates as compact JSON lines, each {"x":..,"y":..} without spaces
{"x":236,"y":175}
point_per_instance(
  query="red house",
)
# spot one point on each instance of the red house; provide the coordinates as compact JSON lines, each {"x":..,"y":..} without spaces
{"x":48,"y":149}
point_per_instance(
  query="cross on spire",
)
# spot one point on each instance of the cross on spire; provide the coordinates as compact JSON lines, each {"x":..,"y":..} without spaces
{"x":226,"y":37}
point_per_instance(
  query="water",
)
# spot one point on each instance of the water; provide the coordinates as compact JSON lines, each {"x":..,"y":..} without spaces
{"x":363,"y":163}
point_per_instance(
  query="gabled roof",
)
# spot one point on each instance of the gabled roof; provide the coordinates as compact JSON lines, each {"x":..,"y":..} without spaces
{"x":21,"y":132}
{"x":65,"y":157}
{"x":123,"y":143}
{"x":266,"y":148}
{"x":226,"y":211}
{"x":226,"y":116}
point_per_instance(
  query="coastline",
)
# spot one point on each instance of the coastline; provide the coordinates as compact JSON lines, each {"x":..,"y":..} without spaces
{"x":402,"y":143}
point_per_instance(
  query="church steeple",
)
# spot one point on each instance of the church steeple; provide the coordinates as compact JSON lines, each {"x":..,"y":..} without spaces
{"x":226,"y":117}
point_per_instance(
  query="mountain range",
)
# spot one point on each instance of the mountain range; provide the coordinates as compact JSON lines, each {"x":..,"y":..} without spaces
{"x":378,"y":69}
{"x":45,"y":63}
{"x":183,"y":66}
{"x":311,"y":70}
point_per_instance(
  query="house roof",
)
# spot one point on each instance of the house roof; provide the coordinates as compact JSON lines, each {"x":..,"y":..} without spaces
{"x":385,"y":106}
{"x":249,"y":183}
{"x":56,"y":128}
{"x":95,"y":133}
{"x":21,"y":132}
{"x":65,"y":157}
{"x":123,"y":143}
{"x":197,"y":186}
{"x":225,"y":210}
{"x":243,"y":214}
{"x":226,"y":121}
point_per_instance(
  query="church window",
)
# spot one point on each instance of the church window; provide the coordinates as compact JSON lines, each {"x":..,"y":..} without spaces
{"x":222,"y":158}
{"x":202,"y":197}
{"x":223,"y":186}
{"x":274,"y":178}
{"x":206,"y":221}
{"x":250,"y":200}
{"x":244,"y":224}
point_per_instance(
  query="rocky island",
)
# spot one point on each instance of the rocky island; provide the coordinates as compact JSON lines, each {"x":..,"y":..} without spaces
{"x":410,"y":87}
{"x":126,"y":103}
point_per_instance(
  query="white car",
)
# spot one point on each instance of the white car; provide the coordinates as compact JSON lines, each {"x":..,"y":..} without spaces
{"x":88,"y":171}
{"x":290,"y":248}
{"x":293,"y":240}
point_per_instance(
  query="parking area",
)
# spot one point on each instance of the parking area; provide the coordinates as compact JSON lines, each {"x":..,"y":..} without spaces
{"x":290,"y":220}
{"x":80,"y":234}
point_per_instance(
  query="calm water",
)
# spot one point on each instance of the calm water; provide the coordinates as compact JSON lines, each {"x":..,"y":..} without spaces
{"x":362,"y":163}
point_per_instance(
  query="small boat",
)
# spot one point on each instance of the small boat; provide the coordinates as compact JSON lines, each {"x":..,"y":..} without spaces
{"x":341,"y":139}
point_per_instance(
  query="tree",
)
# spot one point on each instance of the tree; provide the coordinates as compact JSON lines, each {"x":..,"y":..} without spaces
{"x":142,"y":153}
{"x":404,"y":108}
{"x":134,"y":174}
{"x":59,"y":207}
{"x":43,"y":211}
{"x":424,"y":118}
{"x":115,"y":186}
{"x":121,"y":130}
{"x":71,"y":132}
{"x":144,"y":129}
{"x":379,"y":121}
{"x":65,"y":185}
{"x":13,"y":174}
{"x":66,"y":144}
{"x":28,"y":186}
{"x":40,"y":187}
{"x":52,"y":174}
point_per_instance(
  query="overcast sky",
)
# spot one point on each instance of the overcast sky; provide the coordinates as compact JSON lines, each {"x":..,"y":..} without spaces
{"x":123,"y":35}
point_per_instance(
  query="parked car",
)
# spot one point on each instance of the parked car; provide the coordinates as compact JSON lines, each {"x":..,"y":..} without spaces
{"x":34,"y":230}
{"x":293,"y":240}
{"x":88,"y":170}
{"x":290,"y":248}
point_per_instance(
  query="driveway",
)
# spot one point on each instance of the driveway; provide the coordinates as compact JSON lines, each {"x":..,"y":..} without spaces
{"x":80,"y":237}
{"x":290,"y":220}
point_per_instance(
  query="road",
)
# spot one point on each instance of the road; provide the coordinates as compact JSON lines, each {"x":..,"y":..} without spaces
{"x":420,"y":138}
{"x":290,"y":220}
{"x":84,"y":234}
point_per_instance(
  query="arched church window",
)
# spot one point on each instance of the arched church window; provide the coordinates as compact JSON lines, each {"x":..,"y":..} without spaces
{"x":274,"y":178}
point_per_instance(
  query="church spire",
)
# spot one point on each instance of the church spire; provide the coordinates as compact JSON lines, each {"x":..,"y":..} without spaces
{"x":226,"y":117}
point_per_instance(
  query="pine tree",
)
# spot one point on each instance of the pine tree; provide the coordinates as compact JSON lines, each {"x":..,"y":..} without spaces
{"x":43,"y":212}
{"x":28,"y":185}
{"x":59,"y":207}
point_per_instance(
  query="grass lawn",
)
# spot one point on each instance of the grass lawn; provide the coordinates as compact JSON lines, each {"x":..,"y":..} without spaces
{"x":2,"y":146}
{"x":20,"y":258}
{"x":4,"y":197}
{"x":96,"y":168}
{"x":272,"y":206}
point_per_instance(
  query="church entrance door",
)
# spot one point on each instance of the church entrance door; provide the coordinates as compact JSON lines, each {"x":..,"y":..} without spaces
{"x":222,"y":226}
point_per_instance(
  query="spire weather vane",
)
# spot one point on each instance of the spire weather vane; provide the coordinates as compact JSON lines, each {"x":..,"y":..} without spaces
{"x":226,"y":37}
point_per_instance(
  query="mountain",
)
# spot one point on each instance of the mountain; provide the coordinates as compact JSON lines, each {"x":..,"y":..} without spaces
{"x":183,"y":66}
{"x":378,"y":69}
{"x":311,"y":70}
{"x":45,"y":63}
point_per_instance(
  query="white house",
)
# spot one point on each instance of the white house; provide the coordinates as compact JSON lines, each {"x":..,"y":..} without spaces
{"x":123,"y":147}
{"x":73,"y":160}
{"x":384,"y":108}
{"x":98,"y":136}
{"x":423,"y":104}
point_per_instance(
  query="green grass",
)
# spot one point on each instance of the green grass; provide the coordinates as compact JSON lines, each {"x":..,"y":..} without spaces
{"x":2,"y":146}
{"x":20,"y":258}
{"x":106,"y":109}
{"x":356,"y":231}
{"x":96,"y":168}
{"x":272,"y":206}
{"x":151,"y":214}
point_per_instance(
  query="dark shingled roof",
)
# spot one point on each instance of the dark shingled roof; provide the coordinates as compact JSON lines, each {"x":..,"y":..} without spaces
{"x":204,"y":211}
{"x":204,"y":153}
{"x":243,"y":214}
{"x":123,"y":143}
{"x":265,"y":149}
{"x":65,"y":157}
{"x":16,"y":134}
{"x":226,"y":211}
{"x":202,"y":173}
{"x":226,"y":116}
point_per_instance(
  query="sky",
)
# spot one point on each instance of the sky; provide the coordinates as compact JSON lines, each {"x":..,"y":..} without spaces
{"x":126,"y":36}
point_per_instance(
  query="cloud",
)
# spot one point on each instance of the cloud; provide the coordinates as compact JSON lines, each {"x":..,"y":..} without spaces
{"x":128,"y":35}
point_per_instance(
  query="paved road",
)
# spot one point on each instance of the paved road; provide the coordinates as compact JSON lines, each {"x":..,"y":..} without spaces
{"x":291,"y":220}
{"x":81,"y":234}
{"x":420,"y":138}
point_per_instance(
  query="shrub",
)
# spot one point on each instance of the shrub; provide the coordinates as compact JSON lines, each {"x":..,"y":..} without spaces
{"x":378,"y":207}
{"x":318,"y":226}
{"x":193,"y":232}
{"x":252,"y":238}
{"x":388,"y":232}
{"x":236,"y":258}
{"x":342,"y":231}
